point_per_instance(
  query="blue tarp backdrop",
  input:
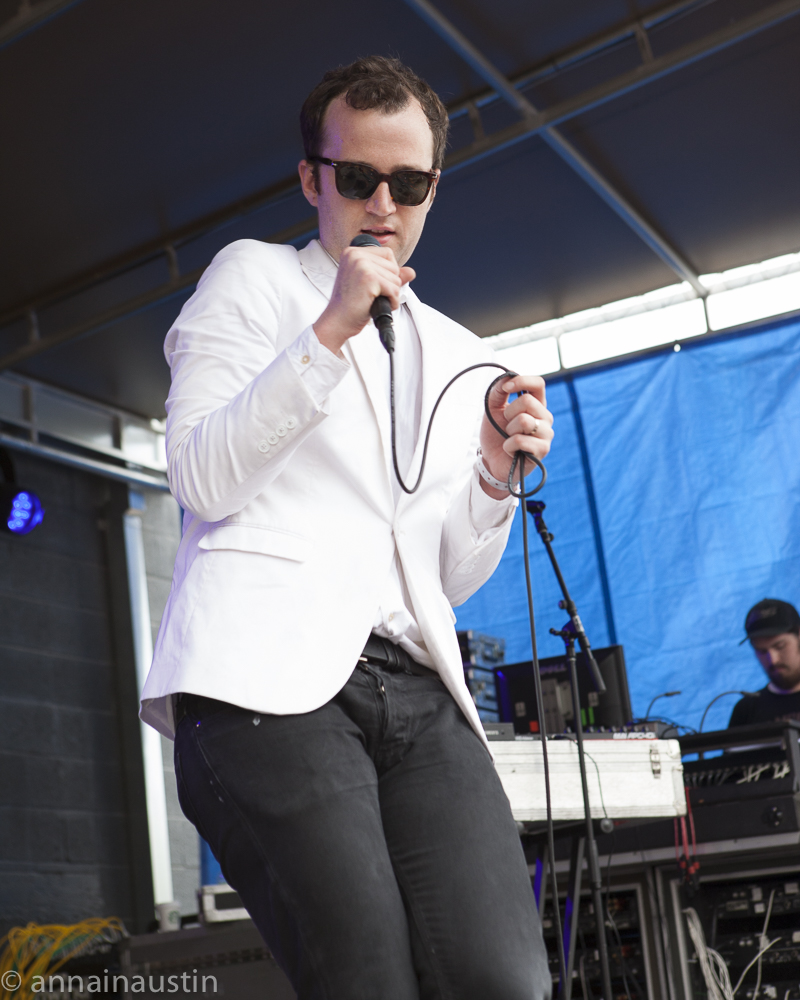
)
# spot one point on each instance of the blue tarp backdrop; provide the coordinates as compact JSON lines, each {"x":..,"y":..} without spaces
{"x":693,"y":459}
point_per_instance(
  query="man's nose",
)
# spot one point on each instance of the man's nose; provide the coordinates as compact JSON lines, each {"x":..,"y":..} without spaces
{"x":774,"y":656}
{"x":381,"y":203}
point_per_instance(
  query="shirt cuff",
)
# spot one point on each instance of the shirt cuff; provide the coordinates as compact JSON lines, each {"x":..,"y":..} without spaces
{"x":485,"y":512}
{"x":320,"y":369}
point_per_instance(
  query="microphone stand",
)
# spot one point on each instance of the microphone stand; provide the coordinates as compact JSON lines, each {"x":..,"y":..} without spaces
{"x":574,"y":630}
{"x":535,"y":508}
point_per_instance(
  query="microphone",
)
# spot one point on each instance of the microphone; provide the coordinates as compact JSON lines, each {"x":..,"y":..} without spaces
{"x":664,"y":694}
{"x":381,"y":310}
{"x":745,"y":694}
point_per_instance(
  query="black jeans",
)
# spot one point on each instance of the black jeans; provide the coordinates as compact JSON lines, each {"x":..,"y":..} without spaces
{"x":371,"y":842}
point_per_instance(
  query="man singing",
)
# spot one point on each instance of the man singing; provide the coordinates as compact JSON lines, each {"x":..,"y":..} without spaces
{"x":326,"y":746}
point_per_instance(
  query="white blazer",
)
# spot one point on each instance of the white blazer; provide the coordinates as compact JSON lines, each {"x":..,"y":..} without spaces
{"x":290,"y":526}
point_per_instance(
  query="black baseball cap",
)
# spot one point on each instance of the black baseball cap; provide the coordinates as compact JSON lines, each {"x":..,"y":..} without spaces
{"x":771,"y":617}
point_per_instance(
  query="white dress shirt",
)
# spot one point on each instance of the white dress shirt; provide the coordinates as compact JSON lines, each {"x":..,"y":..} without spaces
{"x":321,"y":372}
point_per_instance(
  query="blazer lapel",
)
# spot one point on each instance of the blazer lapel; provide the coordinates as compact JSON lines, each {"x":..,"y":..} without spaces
{"x":375,"y":376}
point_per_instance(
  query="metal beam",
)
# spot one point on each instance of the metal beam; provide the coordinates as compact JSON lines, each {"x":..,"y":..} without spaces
{"x":75,"y":461}
{"x":289,"y":186}
{"x":560,"y":145}
{"x":625,"y":83}
{"x":163,"y":293}
{"x":569,"y":57}
{"x":542,"y":123}
{"x":454,"y":38}
{"x":623,"y":208}
{"x":475,"y":151}
{"x":680,"y":58}
{"x":145,"y":252}
{"x":28,"y":18}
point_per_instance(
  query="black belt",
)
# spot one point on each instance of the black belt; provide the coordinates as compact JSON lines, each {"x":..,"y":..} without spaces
{"x":379,"y":652}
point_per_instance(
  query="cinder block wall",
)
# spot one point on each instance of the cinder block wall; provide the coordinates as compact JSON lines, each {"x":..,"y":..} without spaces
{"x":65,"y":851}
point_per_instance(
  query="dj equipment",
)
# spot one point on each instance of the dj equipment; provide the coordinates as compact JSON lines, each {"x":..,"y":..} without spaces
{"x":481,"y":654}
{"x":742,"y":917}
{"x":517,"y":702}
{"x":631,"y":958}
{"x":229,"y":960}
{"x":746,"y":780}
{"x":630,"y":775}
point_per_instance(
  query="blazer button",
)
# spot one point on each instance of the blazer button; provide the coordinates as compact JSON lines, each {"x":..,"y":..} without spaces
{"x":272,"y":438}
{"x":263,"y":447}
{"x":280,"y":430}
{"x":291,"y":423}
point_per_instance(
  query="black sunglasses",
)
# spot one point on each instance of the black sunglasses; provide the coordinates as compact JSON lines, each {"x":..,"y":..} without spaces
{"x":358,"y":182}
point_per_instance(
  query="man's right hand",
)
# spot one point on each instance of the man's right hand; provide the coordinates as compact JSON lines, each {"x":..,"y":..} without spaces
{"x":364,"y":274}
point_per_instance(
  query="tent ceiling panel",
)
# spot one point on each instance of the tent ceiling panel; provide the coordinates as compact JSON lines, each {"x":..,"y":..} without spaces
{"x":133,"y":119}
{"x":708,"y":157}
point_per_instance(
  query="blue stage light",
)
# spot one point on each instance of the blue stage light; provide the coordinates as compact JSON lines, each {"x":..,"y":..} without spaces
{"x":25,"y":511}
{"x":20,"y":510}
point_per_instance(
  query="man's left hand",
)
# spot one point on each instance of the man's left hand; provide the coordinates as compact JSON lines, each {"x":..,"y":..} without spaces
{"x":526,"y":420}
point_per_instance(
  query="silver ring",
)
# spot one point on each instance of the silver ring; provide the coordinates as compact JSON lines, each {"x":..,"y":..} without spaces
{"x":535,"y":427}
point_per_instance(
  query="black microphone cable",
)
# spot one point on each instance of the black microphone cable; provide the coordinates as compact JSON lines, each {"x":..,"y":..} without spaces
{"x":518,"y":462}
{"x":382,"y":316}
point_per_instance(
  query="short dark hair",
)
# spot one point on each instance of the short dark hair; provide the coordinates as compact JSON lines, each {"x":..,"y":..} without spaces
{"x":375,"y":82}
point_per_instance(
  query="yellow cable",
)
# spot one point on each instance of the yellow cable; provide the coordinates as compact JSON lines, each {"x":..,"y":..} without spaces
{"x":38,"y":950}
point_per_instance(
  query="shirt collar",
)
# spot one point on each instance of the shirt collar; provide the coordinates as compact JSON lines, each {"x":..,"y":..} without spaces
{"x":776,"y":690}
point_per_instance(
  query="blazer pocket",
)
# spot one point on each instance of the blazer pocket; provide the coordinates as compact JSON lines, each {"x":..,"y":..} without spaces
{"x":253,"y":538}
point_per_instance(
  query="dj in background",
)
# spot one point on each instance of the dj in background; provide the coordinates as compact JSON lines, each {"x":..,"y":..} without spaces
{"x":773,"y":628}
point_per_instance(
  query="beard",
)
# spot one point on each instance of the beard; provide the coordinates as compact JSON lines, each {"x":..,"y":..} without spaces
{"x":783,"y":677}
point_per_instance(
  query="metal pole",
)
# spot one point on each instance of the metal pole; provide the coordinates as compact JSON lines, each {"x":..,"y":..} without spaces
{"x":535,"y":509}
{"x":155,"y":792}
{"x":591,"y":846}
{"x":588,"y":173}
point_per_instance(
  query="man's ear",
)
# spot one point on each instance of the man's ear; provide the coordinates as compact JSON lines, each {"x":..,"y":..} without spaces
{"x":308,"y":180}
{"x":434,"y":187}
{"x":431,"y":196}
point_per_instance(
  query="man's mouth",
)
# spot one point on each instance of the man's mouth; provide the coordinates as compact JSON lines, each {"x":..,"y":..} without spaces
{"x":381,"y":233}
{"x":778,"y":673}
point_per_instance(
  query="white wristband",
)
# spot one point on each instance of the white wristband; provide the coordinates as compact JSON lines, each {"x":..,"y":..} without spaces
{"x":486,"y":476}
